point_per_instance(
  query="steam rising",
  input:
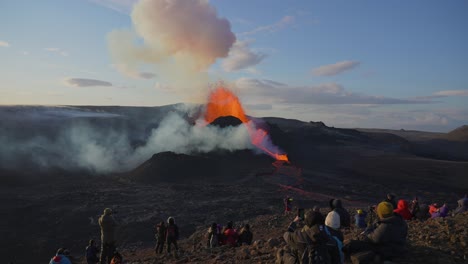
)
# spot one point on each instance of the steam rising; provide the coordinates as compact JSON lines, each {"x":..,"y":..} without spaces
{"x":102,"y":148}
{"x":180,"y":38}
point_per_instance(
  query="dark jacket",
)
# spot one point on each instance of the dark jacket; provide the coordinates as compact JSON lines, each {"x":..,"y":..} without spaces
{"x":161,"y":233}
{"x":245,"y":237}
{"x":345,"y":218}
{"x":92,"y":255}
{"x":108,"y":225}
{"x":389,"y":236}
{"x":297,"y":240}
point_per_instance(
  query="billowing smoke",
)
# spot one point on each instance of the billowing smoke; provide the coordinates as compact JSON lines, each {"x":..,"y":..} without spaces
{"x":180,"y":38}
{"x":103,"y":142}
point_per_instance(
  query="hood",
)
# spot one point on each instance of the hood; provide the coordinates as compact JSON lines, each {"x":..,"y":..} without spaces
{"x":402,"y":204}
{"x":337,"y":203}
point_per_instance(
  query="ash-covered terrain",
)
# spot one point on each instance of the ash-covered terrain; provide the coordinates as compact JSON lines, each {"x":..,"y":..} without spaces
{"x":61,"y":166}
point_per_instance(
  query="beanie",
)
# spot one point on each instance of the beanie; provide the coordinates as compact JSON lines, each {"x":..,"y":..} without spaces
{"x":333,"y":220}
{"x":384,"y":210}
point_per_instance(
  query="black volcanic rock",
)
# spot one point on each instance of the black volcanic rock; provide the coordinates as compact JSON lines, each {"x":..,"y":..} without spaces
{"x":225,"y":121}
{"x":221,"y":166}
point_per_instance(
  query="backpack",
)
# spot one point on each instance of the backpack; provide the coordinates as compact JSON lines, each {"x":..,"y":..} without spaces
{"x":317,"y":254}
{"x":171,"y":232}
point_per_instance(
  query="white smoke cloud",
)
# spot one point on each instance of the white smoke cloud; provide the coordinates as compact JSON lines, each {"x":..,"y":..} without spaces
{"x":241,"y":57}
{"x":180,"y":38}
{"x":99,"y":149}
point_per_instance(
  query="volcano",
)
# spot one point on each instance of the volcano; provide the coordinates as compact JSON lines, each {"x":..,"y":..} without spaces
{"x":226,"y":121}
{"x":221,"y":166}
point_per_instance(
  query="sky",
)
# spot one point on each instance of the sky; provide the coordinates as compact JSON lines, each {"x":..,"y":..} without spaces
{"x":373,"y":64}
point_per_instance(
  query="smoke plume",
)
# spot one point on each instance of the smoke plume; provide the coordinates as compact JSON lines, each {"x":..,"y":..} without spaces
{"x":180,"y":38}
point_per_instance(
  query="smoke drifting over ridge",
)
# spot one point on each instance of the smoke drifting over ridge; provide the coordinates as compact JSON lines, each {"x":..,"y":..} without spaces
{"x":180,"y":38}
{"x":105,"y":141}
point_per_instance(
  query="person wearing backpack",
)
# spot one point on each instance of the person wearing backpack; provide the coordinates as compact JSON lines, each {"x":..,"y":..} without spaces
{"x":308,"y":244}
{"x":91,"y":253}
{"x":172,"y":234}
{"x":332,"y":223}
{"x":160,"y":237}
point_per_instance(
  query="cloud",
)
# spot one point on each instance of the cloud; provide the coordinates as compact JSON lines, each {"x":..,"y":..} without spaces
{"x":451,"y":93}
{"x":4,"y":44}
{"x":121,"y":6}
{"x":283,"y":23}
{"x":129,"y":72}
{"x":58,"y":51}
{"x":81,"y":82}
{"x":335,"y":69}
{"x":241,"y":57}
{"x":325,"y":93}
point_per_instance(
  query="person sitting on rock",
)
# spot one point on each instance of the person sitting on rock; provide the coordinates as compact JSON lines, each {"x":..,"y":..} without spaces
{"x":414,"y":207}
{"x":92,"y":253}
{"x":360,"y":219}
{"x":433,"y":208}
{"x":213,"y":236}
{"x":60,"y":257}
{"x":391,"y":199}
{"x":332,"y":221}
{"x":108,"y":226}
{"x":160,"y":237}
{"x":384,"y":241}
{"x":116,"y":258}
{"x":245,"y":236}
{"x":441,"y":212}
{"x":345,"y":218}
{"x":230,"y":235}
{"x":307,"y":244}
{"x":403,"y":210}
{"x":423,"y":213}
{"x":172,"y":234}
{"x":462,"y":205}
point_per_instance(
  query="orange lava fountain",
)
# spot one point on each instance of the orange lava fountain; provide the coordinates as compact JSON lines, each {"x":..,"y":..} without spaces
{"x":222,"y":102}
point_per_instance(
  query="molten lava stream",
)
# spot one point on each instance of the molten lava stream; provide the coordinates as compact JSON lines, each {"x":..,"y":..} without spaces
{"x":222,"y":102}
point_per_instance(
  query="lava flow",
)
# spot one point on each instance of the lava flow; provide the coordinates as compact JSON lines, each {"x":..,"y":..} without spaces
{"x":223,"y":102}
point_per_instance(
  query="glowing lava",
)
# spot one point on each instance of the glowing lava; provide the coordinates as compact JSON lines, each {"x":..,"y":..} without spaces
{"x":223,"y":102}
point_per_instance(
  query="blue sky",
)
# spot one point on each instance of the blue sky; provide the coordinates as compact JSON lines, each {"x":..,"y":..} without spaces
{"x":386,"y":64}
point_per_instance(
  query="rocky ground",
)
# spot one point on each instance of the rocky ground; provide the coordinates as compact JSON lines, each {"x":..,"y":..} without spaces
{"x":432,"y":241}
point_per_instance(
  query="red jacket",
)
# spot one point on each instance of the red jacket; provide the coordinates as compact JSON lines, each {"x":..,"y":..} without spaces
{"x":402,"y":209}
{"x":230,"y":237}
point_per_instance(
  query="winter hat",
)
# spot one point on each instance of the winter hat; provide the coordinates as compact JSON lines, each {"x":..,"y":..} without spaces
{"x":333,"y":220}
{"x":107,"y":211}
{"x":384,"y":209}
{"x":359,"y":212}
{"x":313,"y":218}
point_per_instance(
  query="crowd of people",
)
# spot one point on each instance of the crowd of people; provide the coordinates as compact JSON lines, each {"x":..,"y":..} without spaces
{"x":382,"y":232}
{"x":311,"y":237}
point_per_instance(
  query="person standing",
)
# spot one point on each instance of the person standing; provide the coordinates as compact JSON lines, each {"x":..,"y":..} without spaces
{"x":172,"y":234}
{"x":92,"y":253}
{"x":160,"y":237}
{"x":108,"y":226}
